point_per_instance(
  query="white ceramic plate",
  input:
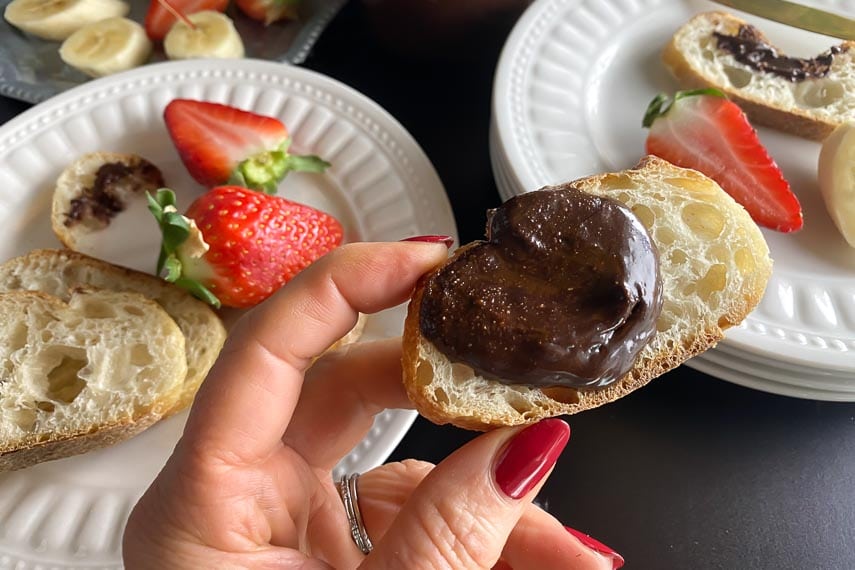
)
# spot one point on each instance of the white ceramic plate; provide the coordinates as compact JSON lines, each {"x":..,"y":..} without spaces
{"x":744,"y":374}
{"x":70,"y":513}
{"x":572,"y":85}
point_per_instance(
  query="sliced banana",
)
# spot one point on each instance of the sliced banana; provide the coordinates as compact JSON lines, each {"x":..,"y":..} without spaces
{"x":58,"y":19}
{"x":107,"y":46}
{"x":214,"y":36}
{"x":837,"y":179}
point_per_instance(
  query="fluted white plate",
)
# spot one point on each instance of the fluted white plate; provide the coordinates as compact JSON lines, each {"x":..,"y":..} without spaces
{"x":70,"y":513}
{"x":745,"y":373}
{"x":571,"y":87}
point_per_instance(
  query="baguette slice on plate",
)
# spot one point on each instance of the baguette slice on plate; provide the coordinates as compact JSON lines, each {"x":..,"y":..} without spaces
{"x":809,"y":108}
{"x":94,"y":189}
{"x":84,"y":374}
{"x":60,"y":272}
{"x":713,"y":264}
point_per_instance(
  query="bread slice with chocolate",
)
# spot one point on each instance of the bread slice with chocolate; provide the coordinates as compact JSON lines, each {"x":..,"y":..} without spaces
{"x":60,"y":272}
{"x":592,"y":339}
{"x":806,"y":97}
{"x":94,"y":189}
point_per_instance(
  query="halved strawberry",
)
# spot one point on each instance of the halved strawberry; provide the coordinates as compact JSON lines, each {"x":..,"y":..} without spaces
{"x":703,"y":130}
{"x":269,"y":11}
{"x":159,"y":18}
{"x":220,"y":144}
{"x":236,"y":246}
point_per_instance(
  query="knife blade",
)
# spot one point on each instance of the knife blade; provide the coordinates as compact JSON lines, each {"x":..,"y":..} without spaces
{"x":798,"y":16}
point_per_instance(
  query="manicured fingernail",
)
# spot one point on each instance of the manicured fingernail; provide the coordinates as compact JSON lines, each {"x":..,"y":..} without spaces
{"x":529,"y":456}
{"x":447,"y":240}
{"x":597,"y":546}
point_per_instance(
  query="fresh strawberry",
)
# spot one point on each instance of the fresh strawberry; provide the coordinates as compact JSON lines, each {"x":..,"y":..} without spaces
{"x":705,"y":131}
{"x":269,"y":11}
{"x":224,"y":145}
{"x":162,"y":14}
{"x":236,"y":246}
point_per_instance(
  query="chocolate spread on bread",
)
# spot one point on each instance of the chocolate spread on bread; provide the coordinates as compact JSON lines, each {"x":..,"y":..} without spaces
{"x":748,"y":48}
{"x":103,"y":200}
{"x":564,"y":292}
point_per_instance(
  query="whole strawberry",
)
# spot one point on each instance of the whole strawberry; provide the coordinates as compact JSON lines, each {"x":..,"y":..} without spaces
{"x":705,"y":131}
{"x":220,"y":144}
{"x":236,"y":247}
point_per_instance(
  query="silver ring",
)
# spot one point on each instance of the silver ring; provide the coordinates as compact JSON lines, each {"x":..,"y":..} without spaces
{"x":347,"y":490}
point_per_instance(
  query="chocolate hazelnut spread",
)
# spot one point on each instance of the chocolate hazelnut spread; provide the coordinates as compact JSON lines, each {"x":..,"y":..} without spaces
{"x":748,"y":48}
{"x":564,"y":292}
{"x":113,"y":180}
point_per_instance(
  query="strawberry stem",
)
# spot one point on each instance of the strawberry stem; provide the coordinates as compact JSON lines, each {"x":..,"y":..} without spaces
{"x":176,"y":230}
{"x":264,"y":171}
{"x":662,"y":103}
{"x":172,"y":9}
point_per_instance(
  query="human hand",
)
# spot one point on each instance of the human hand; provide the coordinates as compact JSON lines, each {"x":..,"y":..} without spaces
{"x":249,"y":484}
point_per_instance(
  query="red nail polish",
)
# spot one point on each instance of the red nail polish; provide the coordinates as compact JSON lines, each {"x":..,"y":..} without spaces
{"x":597,"y":546}
{"x":447,"y":240}
{"x":529,"y":456}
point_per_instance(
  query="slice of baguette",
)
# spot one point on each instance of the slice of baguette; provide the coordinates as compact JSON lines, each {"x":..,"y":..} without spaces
{"x":82,"y":375}
{"x":811,"y":108}
{"x":58,"y":273}
{"x":714,"y":266}
{"x":79,"y":209}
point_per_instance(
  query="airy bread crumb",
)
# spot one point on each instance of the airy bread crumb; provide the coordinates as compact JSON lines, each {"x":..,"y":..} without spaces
{"x":714,"y":267}
{"x":84,"y":374}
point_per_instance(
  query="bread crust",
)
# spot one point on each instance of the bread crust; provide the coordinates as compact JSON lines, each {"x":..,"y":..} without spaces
{"x":430,"y":390}
{"x":65,"y":270}
{"x":61,"y":447}
{"x":762,"y":111}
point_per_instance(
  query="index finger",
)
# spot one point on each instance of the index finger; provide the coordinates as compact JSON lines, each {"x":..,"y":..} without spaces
{"x":246,"y":403}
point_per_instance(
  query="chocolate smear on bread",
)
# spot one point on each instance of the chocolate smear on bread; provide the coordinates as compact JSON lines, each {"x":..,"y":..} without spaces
{"x":114,"y":183}
{"x":565,"y":291}
{"x":749,"y":47}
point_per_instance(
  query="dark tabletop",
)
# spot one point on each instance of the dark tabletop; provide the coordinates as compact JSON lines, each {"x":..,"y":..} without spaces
{"x":689,"y":472}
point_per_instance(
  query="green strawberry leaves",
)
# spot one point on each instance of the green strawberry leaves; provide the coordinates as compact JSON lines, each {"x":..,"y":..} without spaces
{"x":175,"y":229}
{"x":662,"y":103}
{"x":265,"y":170}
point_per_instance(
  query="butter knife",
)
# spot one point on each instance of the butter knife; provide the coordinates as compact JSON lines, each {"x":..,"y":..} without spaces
{"x":798,"y":16}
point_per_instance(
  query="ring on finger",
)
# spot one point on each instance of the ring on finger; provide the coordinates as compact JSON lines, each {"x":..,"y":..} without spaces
{"x":347,"y":489}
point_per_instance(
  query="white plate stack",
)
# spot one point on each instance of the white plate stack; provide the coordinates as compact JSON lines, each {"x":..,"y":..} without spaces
{"x":572,"y":85}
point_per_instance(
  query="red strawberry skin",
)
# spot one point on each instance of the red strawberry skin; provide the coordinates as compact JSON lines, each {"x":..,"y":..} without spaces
{"x":158,"y":20}
{"x":212,"y":139}
{"x":712,"y":135}
{"x":257,"y":242}
{"x":269,"y":11}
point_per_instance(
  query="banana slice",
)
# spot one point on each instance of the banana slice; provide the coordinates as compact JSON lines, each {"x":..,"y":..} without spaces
{"x":107,"y":46}
{"x":58,"y":19}
{"x":837,"y":179}
{"x":214,"y":36}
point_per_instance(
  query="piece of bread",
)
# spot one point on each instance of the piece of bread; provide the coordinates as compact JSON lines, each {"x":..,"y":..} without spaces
{"x":82,"y":375}
{"x":59,"y":273}
{"x":714,"y":266}
{"x":94,"y":189}
{"x":810,"y":108}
